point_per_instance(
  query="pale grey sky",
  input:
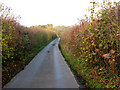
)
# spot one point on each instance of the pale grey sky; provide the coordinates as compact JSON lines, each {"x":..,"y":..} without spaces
{"x":56,"y":12}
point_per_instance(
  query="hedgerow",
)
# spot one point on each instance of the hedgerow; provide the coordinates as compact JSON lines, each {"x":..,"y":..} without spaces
{"x":95,"y":45}
{"x":19,"y":43}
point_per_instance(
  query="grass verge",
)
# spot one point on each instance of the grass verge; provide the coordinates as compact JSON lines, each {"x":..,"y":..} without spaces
{"x":69,"y":59}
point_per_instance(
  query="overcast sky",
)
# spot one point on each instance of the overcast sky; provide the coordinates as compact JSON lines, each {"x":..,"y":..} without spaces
{"x":56,"y":12}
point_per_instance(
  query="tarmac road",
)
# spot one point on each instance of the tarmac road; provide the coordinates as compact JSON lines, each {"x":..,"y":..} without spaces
{"x":48,"y":69}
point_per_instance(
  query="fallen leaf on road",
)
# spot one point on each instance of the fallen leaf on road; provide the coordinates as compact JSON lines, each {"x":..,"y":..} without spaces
{"x":53,"y":44}
{"x":48,"y":51}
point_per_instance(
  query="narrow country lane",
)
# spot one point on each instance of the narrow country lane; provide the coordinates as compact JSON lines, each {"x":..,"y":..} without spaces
{"x":48,"y":69}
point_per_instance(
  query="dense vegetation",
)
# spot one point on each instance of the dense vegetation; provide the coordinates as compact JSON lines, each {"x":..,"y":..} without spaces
{"x":92,"y":48}
{"x":19,"y":43}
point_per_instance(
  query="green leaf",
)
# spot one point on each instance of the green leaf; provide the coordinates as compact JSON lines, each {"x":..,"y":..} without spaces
{"x":100,"y":45}
{"x":93,"y":2}
{"x":104,"y":22}
{"x":105,"y":30}
{"x":94,"y":53}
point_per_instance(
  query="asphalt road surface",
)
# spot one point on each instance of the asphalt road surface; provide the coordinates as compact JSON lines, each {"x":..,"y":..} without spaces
{"x":48,"y":69}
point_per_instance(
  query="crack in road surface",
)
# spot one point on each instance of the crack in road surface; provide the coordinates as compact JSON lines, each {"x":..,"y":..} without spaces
{"x":48,"y":69}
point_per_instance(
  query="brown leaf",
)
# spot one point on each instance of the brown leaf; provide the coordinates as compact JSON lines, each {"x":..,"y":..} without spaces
{"x":110,"y":61}
{"x":97,"y":50}
{"x":106,"y":56}
{"x":112,"y":51}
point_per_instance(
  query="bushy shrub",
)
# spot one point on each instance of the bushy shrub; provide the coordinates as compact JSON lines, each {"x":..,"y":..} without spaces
{"x":19,"y":43}
{"x":96,"y":44}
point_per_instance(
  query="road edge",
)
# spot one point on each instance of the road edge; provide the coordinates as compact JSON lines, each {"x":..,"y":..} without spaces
{"x":73,"y":72}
